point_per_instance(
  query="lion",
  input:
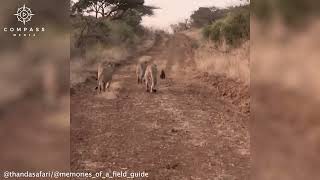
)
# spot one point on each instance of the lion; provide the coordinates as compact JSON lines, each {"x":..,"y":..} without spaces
{"x":140,"y":71}
{"x":150,"y":78}
{"x":104,"y":78}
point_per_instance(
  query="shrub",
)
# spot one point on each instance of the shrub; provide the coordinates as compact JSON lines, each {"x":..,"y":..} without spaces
{"x":205,"y":15}
{"x":120,"y":32}
{"x":90,"y":31}
{"x":234,"y":28}
{"x":215,"y":31}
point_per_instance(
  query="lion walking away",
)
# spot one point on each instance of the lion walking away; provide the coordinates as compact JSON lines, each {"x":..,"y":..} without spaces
{"x":151,"y":78}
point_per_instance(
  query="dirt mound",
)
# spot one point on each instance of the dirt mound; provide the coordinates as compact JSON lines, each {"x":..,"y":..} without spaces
{"x":229,"y":89}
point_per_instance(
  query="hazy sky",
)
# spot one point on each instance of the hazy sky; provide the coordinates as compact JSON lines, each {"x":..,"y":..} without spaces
{"x":173,"y":11}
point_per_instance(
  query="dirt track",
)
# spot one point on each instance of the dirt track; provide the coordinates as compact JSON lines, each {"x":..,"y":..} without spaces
{"x":187,"y":130}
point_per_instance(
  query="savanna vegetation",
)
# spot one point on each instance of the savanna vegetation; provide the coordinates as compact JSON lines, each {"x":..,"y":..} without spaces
{"x":107,"y":23}
{"x":220,"y":40}
{"x":231,"y":25}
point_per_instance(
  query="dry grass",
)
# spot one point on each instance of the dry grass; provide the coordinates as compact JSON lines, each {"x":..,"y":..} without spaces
{"x":222,"y":60}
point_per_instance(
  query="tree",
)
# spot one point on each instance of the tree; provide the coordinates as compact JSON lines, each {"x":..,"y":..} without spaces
{"x":206,"y":15}
{"x":181,"y":26}
{"x":113,"y":9}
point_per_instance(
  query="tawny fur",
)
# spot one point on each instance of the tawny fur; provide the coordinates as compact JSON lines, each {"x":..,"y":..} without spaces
{"x":140,"y":71}
{"x":146,"y":59}
{"x":104,"y":76}
{"x":150,"y":77}
{"x":100,"y":69}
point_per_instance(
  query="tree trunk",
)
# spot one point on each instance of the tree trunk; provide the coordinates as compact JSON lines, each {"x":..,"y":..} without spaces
{"x":97,"y":10}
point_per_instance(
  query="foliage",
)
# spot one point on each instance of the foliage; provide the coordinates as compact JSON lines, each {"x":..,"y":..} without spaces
{"x":113,"y":9}
{"x":233,"y":28}
{"x":88,"y":31}
{"x":132,"y":18}
{"x":237,"y":27}
{"x":206,"y":15}
{"x":181,"y":26}
{"x":214,"y":31}
{"x":114,"y":22}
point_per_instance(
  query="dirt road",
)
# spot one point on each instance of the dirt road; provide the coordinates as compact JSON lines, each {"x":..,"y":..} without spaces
{"x":187,"y":130}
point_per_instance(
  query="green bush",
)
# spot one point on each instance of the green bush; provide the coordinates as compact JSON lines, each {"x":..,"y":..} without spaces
{"x":216,"y":31}
{"x":234,"y":28}
{"x":133,"y":19}
{"x":120,"y":32}
{"x":89,"y":31}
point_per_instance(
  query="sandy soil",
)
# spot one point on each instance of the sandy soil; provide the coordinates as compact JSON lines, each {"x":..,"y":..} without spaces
{"x":194,"y":127}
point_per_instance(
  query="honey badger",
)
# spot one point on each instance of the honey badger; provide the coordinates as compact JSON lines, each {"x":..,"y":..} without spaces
{"x":162,"y":74}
